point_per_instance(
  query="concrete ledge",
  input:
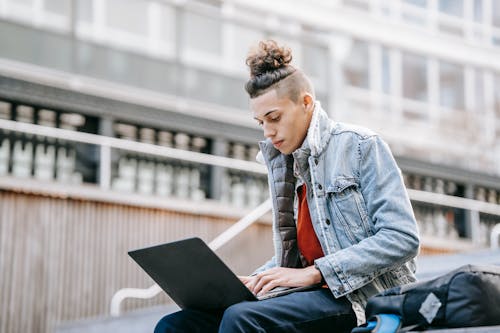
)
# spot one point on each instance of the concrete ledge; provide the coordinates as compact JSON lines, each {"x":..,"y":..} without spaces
{"x":94,"y":193}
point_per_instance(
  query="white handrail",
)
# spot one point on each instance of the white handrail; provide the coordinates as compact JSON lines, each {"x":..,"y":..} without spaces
{"x":241,"y":225}
{"x":455,"y":202}
{"x":215,"y":244}
{"x":139,"y":147}
{"x":179,"y":154}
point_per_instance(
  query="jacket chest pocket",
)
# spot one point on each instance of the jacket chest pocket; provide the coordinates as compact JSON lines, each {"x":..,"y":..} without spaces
{"x":348,"y":210}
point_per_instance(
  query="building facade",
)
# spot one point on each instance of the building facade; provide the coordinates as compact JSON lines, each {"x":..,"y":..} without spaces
{"x":424,"y":74}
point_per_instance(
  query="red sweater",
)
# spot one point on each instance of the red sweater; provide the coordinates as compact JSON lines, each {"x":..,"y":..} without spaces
{"x":307,"y":240}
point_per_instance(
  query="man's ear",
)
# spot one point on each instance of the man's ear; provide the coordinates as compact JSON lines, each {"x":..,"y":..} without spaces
{"x":308,"y":101}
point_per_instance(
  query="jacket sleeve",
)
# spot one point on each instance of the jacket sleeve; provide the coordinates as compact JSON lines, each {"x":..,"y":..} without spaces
{"x":395,"y":239}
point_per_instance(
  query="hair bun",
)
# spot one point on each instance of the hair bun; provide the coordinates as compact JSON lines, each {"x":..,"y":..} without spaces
{"x":268,"y":57}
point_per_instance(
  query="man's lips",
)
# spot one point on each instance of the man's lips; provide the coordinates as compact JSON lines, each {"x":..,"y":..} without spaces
{"x":278,"y":143}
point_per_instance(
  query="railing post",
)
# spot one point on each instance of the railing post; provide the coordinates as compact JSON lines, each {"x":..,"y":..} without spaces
{"x":495,"y":237}
{"x":475,"y":227}
{"x":105,"y":167}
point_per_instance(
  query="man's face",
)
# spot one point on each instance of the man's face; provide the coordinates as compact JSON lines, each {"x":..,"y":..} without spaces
{"x":283,"y":121}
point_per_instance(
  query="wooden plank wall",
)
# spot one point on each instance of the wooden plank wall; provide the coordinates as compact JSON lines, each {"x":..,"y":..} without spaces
{"x":63,"y":259}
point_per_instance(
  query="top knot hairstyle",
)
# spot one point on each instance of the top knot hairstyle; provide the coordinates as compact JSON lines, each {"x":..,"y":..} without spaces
{"x":269,"y":66}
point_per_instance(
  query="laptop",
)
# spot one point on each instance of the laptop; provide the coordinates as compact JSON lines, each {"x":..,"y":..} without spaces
{"x":195,"y":277}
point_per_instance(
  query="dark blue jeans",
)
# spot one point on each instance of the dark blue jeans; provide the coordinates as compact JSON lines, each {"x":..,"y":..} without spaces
{"x":307,"y":311}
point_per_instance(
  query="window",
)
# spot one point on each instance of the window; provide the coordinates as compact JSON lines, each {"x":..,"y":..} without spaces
{"x":202,"y":33}
{"x":316,"y":64}
{"x":495,"y":9}
{"x":386,"y":71}
{"x":451,"y":22}
{"x":60,"y":7}
{"x":53,"y":14}
{"x":356,"y":67}
{"x":167,"y":24}
{"x":414,"y":12}
{"x":497,"y":95}
{"x":478,"y":10}
{"x":418,"y":3}
{"x":242,"y":39}
{"x":85,"y":10}
{"x":451,"y":82}
{"x":452,"y":7}
{"x":415,"y":77}
{"x":24,"y":2}
{"x":130,"y":17}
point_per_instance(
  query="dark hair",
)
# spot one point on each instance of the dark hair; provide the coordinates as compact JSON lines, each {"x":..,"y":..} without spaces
{"x":269,"y":63}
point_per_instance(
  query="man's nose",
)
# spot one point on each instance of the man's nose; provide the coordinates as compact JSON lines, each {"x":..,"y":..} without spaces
{"x":269,"y":131}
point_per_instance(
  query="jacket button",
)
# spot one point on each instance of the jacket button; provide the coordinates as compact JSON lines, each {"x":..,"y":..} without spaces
{"x":327,"y":221}
{"x":316,"y":161}
{"x":320,"y":187}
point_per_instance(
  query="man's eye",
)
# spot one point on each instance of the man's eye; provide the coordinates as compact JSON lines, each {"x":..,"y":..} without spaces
{"x":276,"y":118}
{"x":261,"y":123}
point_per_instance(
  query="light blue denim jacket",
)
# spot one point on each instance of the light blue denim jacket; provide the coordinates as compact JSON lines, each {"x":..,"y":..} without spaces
{"x":358,"y":204}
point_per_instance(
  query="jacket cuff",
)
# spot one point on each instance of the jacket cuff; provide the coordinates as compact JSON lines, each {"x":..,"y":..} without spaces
{"x":333,"y":275}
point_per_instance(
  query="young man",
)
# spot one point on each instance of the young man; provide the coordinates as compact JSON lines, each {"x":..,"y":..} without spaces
{"x":341,"y":214}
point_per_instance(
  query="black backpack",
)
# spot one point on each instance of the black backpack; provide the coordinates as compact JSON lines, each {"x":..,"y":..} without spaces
{"x":466,"y":297}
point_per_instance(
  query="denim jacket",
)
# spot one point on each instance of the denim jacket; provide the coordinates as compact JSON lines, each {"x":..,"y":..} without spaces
{"x":358,"y":204}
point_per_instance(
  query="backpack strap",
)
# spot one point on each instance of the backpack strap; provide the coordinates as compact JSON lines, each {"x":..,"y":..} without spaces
{"x":381,"y":323}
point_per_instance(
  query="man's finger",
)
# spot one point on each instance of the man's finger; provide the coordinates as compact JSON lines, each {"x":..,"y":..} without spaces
{"x":263,"y":280}
{"x":269,"y":286}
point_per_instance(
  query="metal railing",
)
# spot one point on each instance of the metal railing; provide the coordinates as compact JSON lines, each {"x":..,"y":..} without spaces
{"x":475,"y":207}
{"x":218,"y":242}
{"x":107,"y":143}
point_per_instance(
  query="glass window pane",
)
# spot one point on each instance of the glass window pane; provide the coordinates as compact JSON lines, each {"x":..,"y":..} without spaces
{"x":61,"y":7}
{"x":495,"y":6}
{"x":497,"y":95}
{"x":244,"y":39}
{"x":478,"y":10}
{"x":452,"y":7}
{"x":451,"y":85}
{"x":22,"y":2}
{"x":386,"y":71}
{"x":315,"y":63}
{"x":419,"y":3}
{"x":128,"y":15}
{"x":415,"y":77}
{"x":84,"y":10}
{"x":167,"y":33}
{"x":202,"y":33}
{"x":414,"y":12}
{"x":356,"y":68}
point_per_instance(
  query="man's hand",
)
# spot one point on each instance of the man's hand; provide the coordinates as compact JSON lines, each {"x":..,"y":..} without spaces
{"x":281,"y":277}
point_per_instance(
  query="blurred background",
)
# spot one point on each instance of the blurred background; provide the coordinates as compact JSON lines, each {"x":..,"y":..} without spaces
{"x":124,"y":123}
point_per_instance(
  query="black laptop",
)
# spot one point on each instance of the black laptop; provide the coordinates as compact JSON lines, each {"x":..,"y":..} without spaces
{"x":195,"y":277}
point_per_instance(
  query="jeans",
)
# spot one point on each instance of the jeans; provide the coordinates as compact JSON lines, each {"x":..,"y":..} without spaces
{"x":307,"y":311}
